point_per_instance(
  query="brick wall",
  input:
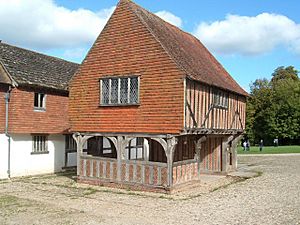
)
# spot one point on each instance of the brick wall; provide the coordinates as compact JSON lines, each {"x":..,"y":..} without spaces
{"x":126,"y":47}
{"x":24,"y":119}
{"x":3,"y":89}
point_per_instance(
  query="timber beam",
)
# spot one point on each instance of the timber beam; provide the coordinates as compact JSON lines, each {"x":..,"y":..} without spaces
{"x":212,"y":131}
{"x":133,"y":135}
{"x":198,"y":145}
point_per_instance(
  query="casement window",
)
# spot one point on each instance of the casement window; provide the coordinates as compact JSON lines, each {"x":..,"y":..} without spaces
{"x":220,"y":99}
{"x":39,"y":101}
{"x":39,"y":144}
{"x":70,"y":143}
{"x":135,"y":149}
{"x":119,"y":91}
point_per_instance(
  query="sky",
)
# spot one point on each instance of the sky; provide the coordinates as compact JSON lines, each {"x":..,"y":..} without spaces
{"x":250,"y":38}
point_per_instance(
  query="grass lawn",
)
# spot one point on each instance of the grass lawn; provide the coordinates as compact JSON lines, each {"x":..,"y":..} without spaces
{"x":271,"y":150}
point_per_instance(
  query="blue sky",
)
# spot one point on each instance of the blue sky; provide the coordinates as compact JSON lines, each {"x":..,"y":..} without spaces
{"x":250,"y":38}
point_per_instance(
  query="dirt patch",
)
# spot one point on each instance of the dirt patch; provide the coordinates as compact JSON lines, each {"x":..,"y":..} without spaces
{"x":58,"y":199}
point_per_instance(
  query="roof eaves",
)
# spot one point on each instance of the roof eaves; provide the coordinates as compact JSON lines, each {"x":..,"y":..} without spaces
{"x":216,"y":86}
{"x":43,"y":87}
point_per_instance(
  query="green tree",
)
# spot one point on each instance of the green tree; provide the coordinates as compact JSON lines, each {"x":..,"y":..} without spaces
{"x":273,"y":109}
{"x":285,"y":73}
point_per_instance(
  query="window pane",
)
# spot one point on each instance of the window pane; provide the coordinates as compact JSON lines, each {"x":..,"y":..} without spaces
{"x":42,"y":98}
{"x":226,"y":101}
{"x":34,"y":144}
{"x":105,"y":91}
{"x":124,"y":91}
{"x":114,"y":91}
{"x":70,"y":142}
{"x":132,"y":153}
{"x":139,"y":153}
{"x":140,"y":141}
{"x":216,"y":99}
{"x":106,"y":143}
{"x":134,"y":90}
{"x":221,"y":99}
{"x":39,"y":143}
{"x":36,"y":100}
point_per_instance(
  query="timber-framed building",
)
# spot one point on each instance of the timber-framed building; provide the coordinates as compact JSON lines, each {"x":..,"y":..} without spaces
{"x":151,"y":108}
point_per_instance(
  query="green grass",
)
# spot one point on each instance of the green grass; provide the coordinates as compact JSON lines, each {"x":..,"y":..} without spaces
{"x":271,"y":150}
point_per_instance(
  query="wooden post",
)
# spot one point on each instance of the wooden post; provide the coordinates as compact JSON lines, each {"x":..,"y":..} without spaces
{"x":77,"y":137}
{"x":80,"y":141}
{"x":198,"y":152}
{"x":118,"y":145}
{"x":169,"y":148}
{"x":225,"y":144}
{"x":171,"y":144}
{"x":235,"y":143}
{"x":119,"y":157}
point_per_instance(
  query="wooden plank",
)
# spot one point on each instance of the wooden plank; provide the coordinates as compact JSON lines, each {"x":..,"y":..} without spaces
{"x":225,"y":119}
{"x":187,"y":102}
{"x":202,"y":104}
{"x":205,"y":106}
{"x":197,"y":104}
{"x":210,"y":120}
{"x":193,"y":106}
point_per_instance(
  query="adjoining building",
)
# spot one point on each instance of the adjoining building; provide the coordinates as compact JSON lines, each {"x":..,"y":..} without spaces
{"x":150,"y":106}
{"x":34,"y":124}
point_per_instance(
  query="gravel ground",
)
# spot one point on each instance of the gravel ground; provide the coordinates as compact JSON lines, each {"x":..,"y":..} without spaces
{"x":272,"y":198}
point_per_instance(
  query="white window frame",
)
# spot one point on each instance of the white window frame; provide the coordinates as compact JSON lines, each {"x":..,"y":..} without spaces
{"x":119,"y":103}
{"x":39,"y":107}
{"x":39,"y":144}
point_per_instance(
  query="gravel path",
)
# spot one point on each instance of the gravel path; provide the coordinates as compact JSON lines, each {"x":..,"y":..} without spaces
{"x":272,"y":198}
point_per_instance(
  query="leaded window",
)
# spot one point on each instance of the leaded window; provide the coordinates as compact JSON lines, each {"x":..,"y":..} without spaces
{"x":221,"y":99}
{"x":119,"y":91}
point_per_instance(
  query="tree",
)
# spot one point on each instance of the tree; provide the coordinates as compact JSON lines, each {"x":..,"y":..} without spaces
{"x":285,"y":73}
{"x":273,"y":109}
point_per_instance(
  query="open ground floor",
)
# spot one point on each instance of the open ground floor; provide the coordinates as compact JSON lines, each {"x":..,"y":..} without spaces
{"x":159,"y":163}
{"x":31,"y":154}
{"x":271,"y":198}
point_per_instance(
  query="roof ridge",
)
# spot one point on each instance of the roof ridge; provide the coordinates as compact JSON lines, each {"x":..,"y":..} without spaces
{"x":37,"y":53}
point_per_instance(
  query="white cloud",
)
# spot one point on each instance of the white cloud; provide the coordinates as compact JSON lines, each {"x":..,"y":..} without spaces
{"x":169,"y":17}
{"x":250,"y":35}
{"x":42,"y":24}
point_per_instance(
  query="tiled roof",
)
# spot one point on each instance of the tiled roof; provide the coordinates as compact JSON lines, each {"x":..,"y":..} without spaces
{"x":30,"y":68}
{"x":187,"y":52}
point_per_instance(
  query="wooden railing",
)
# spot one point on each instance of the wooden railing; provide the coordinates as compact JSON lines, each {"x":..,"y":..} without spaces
{"x":132,"y":171}
{"x":184,"y":171}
